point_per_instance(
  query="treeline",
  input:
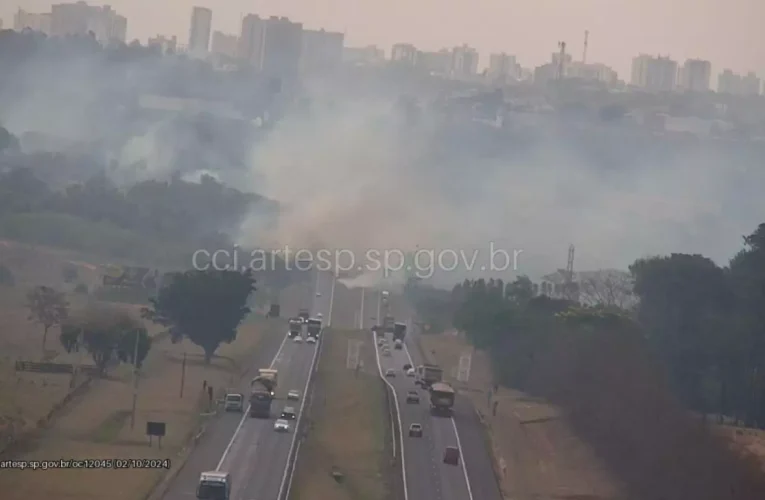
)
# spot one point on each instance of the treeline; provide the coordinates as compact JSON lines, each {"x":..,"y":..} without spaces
{"x":705,"y":323}
{"x":173,"y":211}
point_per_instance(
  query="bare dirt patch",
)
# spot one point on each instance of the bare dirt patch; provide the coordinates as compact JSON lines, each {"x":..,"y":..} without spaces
{"x":347,"y":428}
{"x":536,"y":452}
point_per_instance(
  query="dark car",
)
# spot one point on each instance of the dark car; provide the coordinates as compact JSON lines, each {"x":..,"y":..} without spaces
{"x":288,"y":413}
{"x":412,"y":397}
{"x":452,"y":455}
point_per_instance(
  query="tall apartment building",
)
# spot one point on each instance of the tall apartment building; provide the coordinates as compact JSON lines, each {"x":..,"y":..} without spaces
{"x":464,"y":62}
{"x":695,"y":75}
{"x":437,"y":63}
{"x":503,"y":68}
{"x":729,"y":82}
{"x":282,"y":47}
{"x":38,"y":22}
{"x":164,"y":44}
{"x":404,"y":53}
{"x":654,"y":73}
{"x":251,"y":40}
{"x":364,"y":56}
{"x":224,"y":45}
{"x":81,"y":19}
{"x":322,"y":50}
{"x":199,"y":34}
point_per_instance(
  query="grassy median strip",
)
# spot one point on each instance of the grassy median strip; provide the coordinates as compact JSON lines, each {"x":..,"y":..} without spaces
{"x":344,"y":454}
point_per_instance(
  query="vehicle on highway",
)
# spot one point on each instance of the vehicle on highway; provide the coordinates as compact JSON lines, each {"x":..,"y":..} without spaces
{"x":407,"y":367}
{"x":320,"y":315}
{"x":295,"y":326}
{"x":313,"y":327}
{"x":262,"y":392}
{"x":441,"y":399}
{"x":452,"y":455}
{"x":412,"y":397}
{"x":214,"y":485}
{"x":288,"y":413}
{"x":399,"y":331}
{"x":311,"y":340}
{"x":234,"y":401}
{"x":398,"y":344}
{"x":428,"y":374}
{"x":380,"y":342}
{"x":293,"y":395}
{"x":390,"y":373}
{"x":415,"y":430}
{"x":298,"y":339}
{"x":318,"y":294}
{"x":410,"y":372}
{"x":304,"y":314}
{"x":281,"y":425}
{"x":386,"y":352}
{"x":385,"y":293}
{"x":389,"y":324}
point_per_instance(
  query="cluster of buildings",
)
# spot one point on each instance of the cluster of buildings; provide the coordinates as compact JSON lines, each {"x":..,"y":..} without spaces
{"x":662,"y":74}
{"x":274,"y":45}
{"x":75,"y":19}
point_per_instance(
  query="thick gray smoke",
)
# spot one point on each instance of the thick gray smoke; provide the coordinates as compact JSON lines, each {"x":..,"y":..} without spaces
{"x":351,"y":174}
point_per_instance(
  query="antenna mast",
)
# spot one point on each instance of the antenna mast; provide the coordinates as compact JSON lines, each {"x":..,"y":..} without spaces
{"x":561,"y":57}
{"x":584,"y":53}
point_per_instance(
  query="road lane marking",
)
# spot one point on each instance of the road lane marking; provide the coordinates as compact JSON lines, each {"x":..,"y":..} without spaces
{"x":302,"y":406}
{"x":276,"y":359}
{"x":398,"y":416}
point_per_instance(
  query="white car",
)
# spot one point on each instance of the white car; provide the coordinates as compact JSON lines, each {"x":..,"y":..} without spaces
{"x":320,"y":315}
{"x":318,"y":294}
{"x":410,"y":372}
{"x":293,"y":395}
{"x":298,"y":339}
{"x":281,"y":425}
{"x":311,"y":340}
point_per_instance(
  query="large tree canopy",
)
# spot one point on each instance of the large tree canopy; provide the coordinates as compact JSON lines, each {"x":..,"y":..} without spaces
{"x":206,"y":307}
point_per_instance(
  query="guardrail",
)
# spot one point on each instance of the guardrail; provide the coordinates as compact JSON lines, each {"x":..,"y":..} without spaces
{"x":300,"y":429}
{"x":54,"y":368}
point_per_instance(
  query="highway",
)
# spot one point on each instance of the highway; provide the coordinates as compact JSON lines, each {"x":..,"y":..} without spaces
{"x":427,"y":476}
{"x":249,"y":448}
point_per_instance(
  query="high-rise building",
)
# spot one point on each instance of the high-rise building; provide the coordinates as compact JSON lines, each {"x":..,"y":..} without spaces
{"x":224,"y":45}
{"x":751,"y":84}
{"x":503,"y":67}
{"x":364,"y":56}
{"x":199,"y":34}
{"x":654,"y":73}
{"x":251,"y":40}
{"x":82,"y":19}
{"x":436,"y":63}
{"x":729,"y":82}
{"x":282,"y":46}
{"x":464,"y":62}
{"x":404,"y":53}
{"x":38,"y":22}
{"x":164,"y":44}
{"x":322,"y":50}
{"x":695,"y":75}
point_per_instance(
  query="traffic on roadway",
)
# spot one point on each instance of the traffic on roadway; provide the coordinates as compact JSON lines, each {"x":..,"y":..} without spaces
{"x":434,"y":438}
{"x":247,"y":457}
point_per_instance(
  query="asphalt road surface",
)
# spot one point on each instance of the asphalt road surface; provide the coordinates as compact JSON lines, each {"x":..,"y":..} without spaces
{"x":463,"y":426}
{"x":249,"y":448}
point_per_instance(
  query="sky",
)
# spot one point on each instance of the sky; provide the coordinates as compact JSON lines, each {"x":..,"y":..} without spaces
{"x":728,"y":33}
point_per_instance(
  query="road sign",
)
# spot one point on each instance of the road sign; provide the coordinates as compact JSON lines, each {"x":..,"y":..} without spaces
{"x":463,"y":370}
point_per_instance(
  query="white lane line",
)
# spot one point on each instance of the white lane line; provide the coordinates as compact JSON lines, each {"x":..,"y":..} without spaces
{"x":316,"y":351}
{"x":398,"y":416}
{"x":456,"y":435}
{"x":247,"y":410}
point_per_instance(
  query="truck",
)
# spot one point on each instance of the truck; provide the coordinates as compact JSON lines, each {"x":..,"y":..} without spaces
{"x":304,"y":314}
{"x":274,"y":310}
{"x":399,"y":331}
{"x":262,"y":392}
{"x":295,"y":327}
{"x":314,"y":327}
{"x":428,"y":374}
{"x":389,"y":324}
{"x":441,"y":399}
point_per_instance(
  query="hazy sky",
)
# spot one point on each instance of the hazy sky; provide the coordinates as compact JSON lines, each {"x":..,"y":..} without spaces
{"x":727,"y":32}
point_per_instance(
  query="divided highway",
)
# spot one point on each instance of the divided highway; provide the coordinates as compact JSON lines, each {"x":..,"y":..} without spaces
{"x":246,"y":447}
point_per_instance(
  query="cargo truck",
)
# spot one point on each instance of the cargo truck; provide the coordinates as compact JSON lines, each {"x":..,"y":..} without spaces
{"x":399,"y":331}
{"x":441,"y":399}
{"x":304,"y":314}
{"x":296,"y":327}
{"x":389,"y":324}
{"x":429,"y":374}
{"x":262,"y":392}
{"x":314,"y":328}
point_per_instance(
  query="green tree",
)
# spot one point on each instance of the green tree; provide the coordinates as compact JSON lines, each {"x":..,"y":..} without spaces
{"x":206,"y":307}
{"x":47,"y":307}
{"x":108,"y":335}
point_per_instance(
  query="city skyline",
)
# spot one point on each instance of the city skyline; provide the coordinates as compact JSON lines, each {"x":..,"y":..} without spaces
{"x":480,"y":24}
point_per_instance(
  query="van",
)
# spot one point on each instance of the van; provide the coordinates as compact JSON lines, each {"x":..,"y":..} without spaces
{"x":452,"y":455}
{"x":214,"y":485}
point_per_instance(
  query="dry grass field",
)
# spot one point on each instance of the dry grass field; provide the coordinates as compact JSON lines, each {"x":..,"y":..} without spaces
{"x":347,"y":430}
{"x":97,"y":423}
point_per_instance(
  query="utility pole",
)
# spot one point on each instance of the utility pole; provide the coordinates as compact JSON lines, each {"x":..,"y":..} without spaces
{"x":361,"y":314}
{"x":135,"y":380}
{"x":331,"y":298}
{"x":183,"y":373}
{"x":379,"y":306}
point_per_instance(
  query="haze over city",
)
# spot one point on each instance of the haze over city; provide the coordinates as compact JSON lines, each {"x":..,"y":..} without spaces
{"x":728,"y":33}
